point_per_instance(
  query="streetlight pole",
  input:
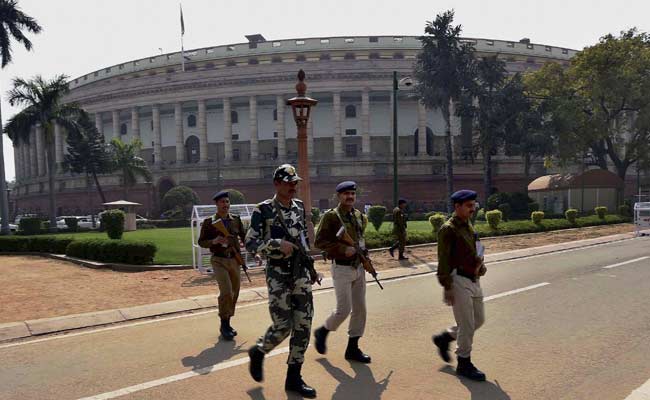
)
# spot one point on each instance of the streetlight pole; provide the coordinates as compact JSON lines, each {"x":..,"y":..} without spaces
{"x":395,"y":144}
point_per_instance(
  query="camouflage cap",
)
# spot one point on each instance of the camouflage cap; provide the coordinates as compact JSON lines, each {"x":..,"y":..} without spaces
{"x":286,"y":173}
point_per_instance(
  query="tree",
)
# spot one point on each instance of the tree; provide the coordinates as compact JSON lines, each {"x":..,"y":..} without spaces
{"x":42,"y":101}
{"x":443,"y":70}
{"x":87,"y":152}
{"x":12,"y":24}
{"x":126,"y":159}
{"x":180,"y":197}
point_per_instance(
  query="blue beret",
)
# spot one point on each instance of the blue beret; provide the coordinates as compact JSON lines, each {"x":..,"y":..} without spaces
{"x":220,"y":195}
{"x":463,"y":195}
{"x":345,"y":186}
{"x":401,"y":200}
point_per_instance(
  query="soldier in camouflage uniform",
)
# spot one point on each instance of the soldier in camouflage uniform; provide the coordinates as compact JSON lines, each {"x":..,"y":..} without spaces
{"x":289,"y":283}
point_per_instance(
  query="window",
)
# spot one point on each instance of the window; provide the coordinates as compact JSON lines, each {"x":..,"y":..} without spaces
{"x":96,"y":73}
{"x":252,"y":45}
{"x":276,"y":59}
{"x":300,"y":58}
{"x":192,"y":153}
{"x":349,"y":40}
{"x":300,"y":42}
{"x":350,"y":111}
{"x":398,"y":39}
{"x":151,"y":123}
{"x":107,"y":70}
{"x":235,"y":154}
{"x":350,"y":150}
{"x":275,"y":114}
{"x":548,"y":48}
{"x":121,"y":66}
{"x":374,"y":56}
{"x":489,"y":42}
{"x":324,"y":41}
{"x":350,"y":132}
{"x":323,"y":170}
{"x":511,"y":44}
{"x":191,"y":120}
{"x":275,"y":134}
{"x":235,"y":136}
{"x":234,"y":117}
{"x":253,"y":61}
{"x":349,"y":56}
{"x":275,"y":152}
{"x":565,"y":51}
{"x":398,"y":56}
{"x":230,"y":48}
{"x":373,"y":39}
{"x":267,"y":172}
{"x":123,"y":129}
{"x":325,"y":57}
{"x":530,"y":46}
{"x":277,"y":44}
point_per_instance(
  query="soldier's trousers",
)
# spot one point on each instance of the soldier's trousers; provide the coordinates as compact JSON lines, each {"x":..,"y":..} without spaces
{"x":400,"y":243}
{"x":350,"y":289}
{"x":292,"y":309}
{"x":469,"y":313}
{"x":226,"y":272}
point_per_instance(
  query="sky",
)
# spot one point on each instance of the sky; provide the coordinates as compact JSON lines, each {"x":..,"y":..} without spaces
{"x":81,"y":36}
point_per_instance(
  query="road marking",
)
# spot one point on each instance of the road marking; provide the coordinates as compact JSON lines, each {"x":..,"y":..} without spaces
{"x":626,"y":262}
{"x":641,"y":393}
{"x":511,"y":292}
{"x":180,"y":377}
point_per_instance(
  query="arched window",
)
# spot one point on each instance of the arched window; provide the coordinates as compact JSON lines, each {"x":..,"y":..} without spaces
{"x":275,"y":114}
{"x":350,"y":111}
{"x":429,"y":141}
{"x":192,"y":150}
{"x":234,"y":117}
{"x":191,"y":120}
{"x":123,"y":129}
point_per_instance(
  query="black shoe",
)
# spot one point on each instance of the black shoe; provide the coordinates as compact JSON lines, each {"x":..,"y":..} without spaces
{"x":294,"y":382}
{"x":468,"y":370}
{"x":320,"y":335}
{"x":256,"y":364}
{"x":391,"y":250}
{"x":226,"y":330}
{"x":442,"y":342}
{"x":233,"y":332}
{"x":402,"y":257}
{"x":354,"y":353}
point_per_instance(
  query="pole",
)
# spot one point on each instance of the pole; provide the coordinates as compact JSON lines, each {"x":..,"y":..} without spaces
{"x":395,"y":144}
{"x":4,"y":197}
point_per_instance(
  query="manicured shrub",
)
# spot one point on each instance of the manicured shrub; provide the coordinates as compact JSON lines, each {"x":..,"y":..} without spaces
{"x":116,"y":251}
{"x":236,"y":197}
{"x":571,"y":215}
{"x":182,"y":198}
{"x":29,"y":226}
{"x":505,"y":209}
{"x":376,"y":216}
{"x":494,"y":218}
{"x":315,"y":215}
{"x":624,"y":210}
{"x":480,"y":215}
{"x":113,"y":222}
{"x":34,"y":244}
{"x":537,"y":217}
{"x":601,"y":211}
{"x":72,"y":224}
{"x":436,"y":221}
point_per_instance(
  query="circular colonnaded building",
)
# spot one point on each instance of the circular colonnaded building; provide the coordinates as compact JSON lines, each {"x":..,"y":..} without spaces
{"x":224,"y":123}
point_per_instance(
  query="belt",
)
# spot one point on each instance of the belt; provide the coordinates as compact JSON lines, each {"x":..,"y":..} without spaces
{"x":222,"y":255}
{"x":278,"y":263}
{"x":464,"y":274}
{"x":350,"y":263}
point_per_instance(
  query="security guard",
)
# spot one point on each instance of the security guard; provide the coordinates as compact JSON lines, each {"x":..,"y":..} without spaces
{"x":224,"y":264}
{"x":348,"y":274}
{"x":277,"y":225}
{"x":459,"y":269}
{"x":399,"y":230}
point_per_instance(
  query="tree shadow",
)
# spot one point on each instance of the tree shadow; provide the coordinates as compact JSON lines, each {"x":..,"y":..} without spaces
{"x":256,"y":394}
{"x":360,"y":386}
{"x":479,"y":390}
{"x":221,"y":351}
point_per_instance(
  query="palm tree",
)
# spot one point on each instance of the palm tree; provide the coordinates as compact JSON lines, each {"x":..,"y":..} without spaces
{"x":126,"y":159}
{"x":12,"y":24}
{"x":443,"y":70}
{"x":43,"y":106}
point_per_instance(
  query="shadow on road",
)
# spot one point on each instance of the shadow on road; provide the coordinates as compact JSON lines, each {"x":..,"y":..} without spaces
{"x":222,"y":350}
{"x":360,"y":386}
{"x":256,"y":394}
{"x":480,"y":390}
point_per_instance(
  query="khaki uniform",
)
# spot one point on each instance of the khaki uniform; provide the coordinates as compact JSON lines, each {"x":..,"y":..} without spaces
{"x":459,"y":269}
{"x":225,"y":267}
{"x":399,"y":230}
{"x":348,"y":275}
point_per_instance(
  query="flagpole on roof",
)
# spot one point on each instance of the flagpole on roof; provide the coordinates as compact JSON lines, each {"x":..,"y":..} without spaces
{"x":182,"y":33}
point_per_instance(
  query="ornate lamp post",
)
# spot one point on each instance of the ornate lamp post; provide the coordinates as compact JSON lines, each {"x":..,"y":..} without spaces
{"x":301,"y":107}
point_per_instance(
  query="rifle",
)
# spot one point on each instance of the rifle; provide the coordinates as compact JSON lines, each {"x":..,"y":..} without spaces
{"x":345,"y":237}
{"x":221,"y":227}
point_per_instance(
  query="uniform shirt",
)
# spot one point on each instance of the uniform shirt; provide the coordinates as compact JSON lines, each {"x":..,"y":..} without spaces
{"x":399,"y":220}
{"x":456,"y":250}
{"x":266,"y":232}
{"x":330,"y":224}
{"x":209,"y":232}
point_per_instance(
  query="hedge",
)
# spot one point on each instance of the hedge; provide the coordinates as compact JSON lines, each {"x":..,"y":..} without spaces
{"x":166,"y":223}
{"x":34,"y":244}
{"x":601,"y":212}
{"x":30,"y":226}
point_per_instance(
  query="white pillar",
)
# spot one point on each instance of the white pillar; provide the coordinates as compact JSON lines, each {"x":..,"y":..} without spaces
{"x":282,"y":134}
{"x":338,"y":138}
{"x":178,"y":120}
{"x":116,"y":123}
{"x":99,"y":124}
{"x":422,"y":130}
{"x":58,"y":147}
{"x":310,"y":137}
{"x":40,"y":150}
{"x":252,"y":116}
{"x":135,"y":122}
{"x":203,"y":133}
{"x":157,"y":138}
{"x":227,"y":130}
{"x":34,"y":153}
{"x":365,"y":122}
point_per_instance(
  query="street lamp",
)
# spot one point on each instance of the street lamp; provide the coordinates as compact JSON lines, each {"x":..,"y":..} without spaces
{"x":301,"y":108}
{"x":407,"y":82}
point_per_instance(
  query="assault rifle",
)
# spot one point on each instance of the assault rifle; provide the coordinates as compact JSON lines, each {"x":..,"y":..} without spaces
{"x":345,"y":237}
{"x":221,"y":227}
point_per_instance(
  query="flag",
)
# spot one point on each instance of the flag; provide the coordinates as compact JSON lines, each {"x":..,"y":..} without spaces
{"x":182,"y":22}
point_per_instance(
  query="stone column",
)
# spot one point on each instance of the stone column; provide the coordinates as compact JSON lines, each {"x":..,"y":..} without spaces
{"x":17,"y":161}
{"x":58,"y":147}
{"x":282,"y":134}
{"x":40,"y":150}
{"x":203,"y":133}
{"x":99,"y":124}
{"x":252,"y":104}
{"x":422,"y":130}
{"x":116,"y":123}
{"x":365,"y":122}
{"x":310,"y":136}
{"x":135,"y":122}
{"x":178,"y":120}
{"x":338,"y":138}
{"x":227,"y":130}
{"x":157,"y":138}
{"x":33,"y":157}
{"x":27,"y":168}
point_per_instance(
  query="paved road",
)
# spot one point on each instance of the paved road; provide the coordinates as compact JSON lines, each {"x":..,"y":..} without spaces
{"x":575,"y":330}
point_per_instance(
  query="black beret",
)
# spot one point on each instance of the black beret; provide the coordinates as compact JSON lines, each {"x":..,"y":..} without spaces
{"x":463,"y":195}
{"x":286,"y":173}
{"x":221,"y":194}
{"x":346,"y":186}
{"x":401,"y":200}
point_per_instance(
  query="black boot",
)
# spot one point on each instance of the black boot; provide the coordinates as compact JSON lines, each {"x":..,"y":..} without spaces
{"x":256,"y":364}
{"x":442,"y":341}
{"x":354,"y":353}
{"x":225,"y":329}
{"x":233,"y":332}
{"x":294,"y":382}
{"x":468,"y":370}
{"x":402,"y":257}
{"x":320,"y":335}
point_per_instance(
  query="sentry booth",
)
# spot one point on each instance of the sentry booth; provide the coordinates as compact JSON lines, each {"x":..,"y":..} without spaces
{"x":201,"y":256}
{"x":129,"y":212}
{"x":641,"y":217}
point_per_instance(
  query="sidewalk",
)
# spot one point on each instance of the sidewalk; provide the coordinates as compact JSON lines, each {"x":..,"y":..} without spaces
{"x":26,"y":329}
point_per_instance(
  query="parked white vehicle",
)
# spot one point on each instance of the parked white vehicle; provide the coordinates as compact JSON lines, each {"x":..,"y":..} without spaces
{"x":12,"y":227}
{"x":85,"y":222}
